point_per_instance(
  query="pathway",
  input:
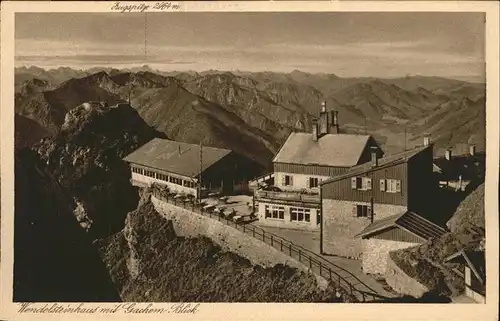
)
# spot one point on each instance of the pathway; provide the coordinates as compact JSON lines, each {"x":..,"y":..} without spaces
{"x":347,"y":268}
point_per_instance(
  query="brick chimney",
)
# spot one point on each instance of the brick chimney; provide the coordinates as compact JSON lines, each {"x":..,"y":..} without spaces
{"x":374,"y":152}
{"x":472,"y":150}
{"x":447,"y":154}
{"x":315,"y":134}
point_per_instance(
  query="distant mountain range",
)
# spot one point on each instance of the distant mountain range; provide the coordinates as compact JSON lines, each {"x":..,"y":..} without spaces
{"x":253,"y":113}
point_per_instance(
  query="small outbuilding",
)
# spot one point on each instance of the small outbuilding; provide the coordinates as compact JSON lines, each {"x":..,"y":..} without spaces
{"x":394,"y":233}
{"x":474,"y":272}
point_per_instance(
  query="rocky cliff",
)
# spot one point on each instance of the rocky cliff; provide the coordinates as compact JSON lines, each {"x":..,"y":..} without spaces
{"x":149,"y":262}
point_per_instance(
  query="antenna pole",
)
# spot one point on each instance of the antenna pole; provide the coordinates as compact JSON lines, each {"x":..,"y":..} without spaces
{"x":405,"y":137}
{"x":199,"y":175}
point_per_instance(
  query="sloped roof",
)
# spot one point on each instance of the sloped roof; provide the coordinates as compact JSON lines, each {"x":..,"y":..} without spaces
{"x":407,"y":221}
{"x":383,"y":162}
{"x":340,"y":150}
{"x":176,"y":157}
{"x":465,"y":165}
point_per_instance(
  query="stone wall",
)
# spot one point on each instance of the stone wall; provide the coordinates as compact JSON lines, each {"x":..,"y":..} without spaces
{"x":401,"y":282}
{"x":340,"y":226}
{"x":376,"y":253}
{"x":190,"y":224}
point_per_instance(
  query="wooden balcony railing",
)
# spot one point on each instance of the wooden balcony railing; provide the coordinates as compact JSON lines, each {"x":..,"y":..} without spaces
{"x":287,"y":196}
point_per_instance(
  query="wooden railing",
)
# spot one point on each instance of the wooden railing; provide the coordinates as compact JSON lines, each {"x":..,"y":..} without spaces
{"x":288,"y":196}
{"x":315,"y":262}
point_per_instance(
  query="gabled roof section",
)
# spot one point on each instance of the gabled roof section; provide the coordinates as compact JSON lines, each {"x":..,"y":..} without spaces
{"x":383,"y":162}
{"x":176,"y":157}
{"x":474,"y":259}
{"x":407,"y":221}
{"x":337,"y":150}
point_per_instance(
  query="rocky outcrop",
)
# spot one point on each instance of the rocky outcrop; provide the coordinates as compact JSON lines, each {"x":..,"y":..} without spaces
{"x":86,"y":158}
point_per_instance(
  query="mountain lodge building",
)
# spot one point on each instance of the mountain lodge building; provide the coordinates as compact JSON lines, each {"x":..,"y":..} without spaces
{"x":179,"y":166}
{"x":386,"y":188}
{"x":301,"y":164}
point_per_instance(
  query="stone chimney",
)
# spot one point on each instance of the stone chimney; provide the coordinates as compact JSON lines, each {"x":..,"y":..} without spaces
{"x":374,"y":151}
{"x":324,"y":127}
{"x":335,"y":121}
{"x":447,"y":154}
{"x":427,"y":140}
{"x":472,"y":150}
{"x":179,"y":149}
{"x":315,"y":134}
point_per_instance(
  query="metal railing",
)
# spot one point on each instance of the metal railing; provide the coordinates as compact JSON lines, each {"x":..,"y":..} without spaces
{"x":315,"y":262}
{"x":288,"y":196}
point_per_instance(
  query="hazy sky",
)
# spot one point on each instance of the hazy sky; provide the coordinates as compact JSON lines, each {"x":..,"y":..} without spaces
{"x":347,"y":44}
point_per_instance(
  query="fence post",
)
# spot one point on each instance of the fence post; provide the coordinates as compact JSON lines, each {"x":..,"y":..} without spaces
{"x":243,"y":228}
{"x":272,"y":244}
{"x":339,"y":279}
{"x":290,"y":248}
{"x":310,"y":263}
{"x":330,"y":270}
{"x":263,"y":236}
{"x":320,"y":268}
{"x":281,"y":245}
{"x":253,"y":230}
{"x":350,"y":288}
{"x":300,"y":255}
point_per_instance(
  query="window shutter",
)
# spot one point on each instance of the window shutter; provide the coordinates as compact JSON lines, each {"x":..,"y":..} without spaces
{"x":354,"y":210}
{"x":368,"y":183}
{"x":291,"y":180}
{"x":308,"y":183}
{"x":353,"y":183}
{"x":398,"y":186}
{"x":382,"y":185}
{"x":283,"y":180}
{"x":369,"y":211}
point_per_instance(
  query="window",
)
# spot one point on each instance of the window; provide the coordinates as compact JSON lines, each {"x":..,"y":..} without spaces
{"x":313,"y":182}
{"x":276,"y":212}
{"x":189,"y":184}
{"x":361,"y":210}
{"x":361,"y":183}
{"x":287,"y":180}
{"x":390,"y":185}
{"x":318,"y":217}
{"x":299,"y":214}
